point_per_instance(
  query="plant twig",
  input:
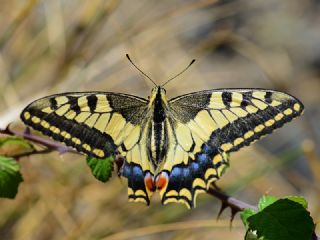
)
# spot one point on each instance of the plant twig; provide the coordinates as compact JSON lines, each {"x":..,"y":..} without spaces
{"x":230,"y":201}
{"x":33,"y":152}
{"x":49,"y":144}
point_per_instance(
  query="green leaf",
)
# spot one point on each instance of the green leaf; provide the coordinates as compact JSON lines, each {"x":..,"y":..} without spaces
{"x":283,"y":220}
{"x":265,"y":201}
{"x":252,"y":236}
{"x":15,"y":141}
{"x":245,"y":214}
{"x":299,"y":199}
{"x":10,"y":177}
{"x":101,"y":168}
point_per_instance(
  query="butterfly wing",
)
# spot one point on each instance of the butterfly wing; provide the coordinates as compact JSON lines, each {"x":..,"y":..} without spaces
{"x":206,"y":126}
{"x":97,"y":124}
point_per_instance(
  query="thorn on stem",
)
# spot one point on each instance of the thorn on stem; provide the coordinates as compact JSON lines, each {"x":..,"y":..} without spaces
{"x":234,"y":211}
{"x":224,"y":205}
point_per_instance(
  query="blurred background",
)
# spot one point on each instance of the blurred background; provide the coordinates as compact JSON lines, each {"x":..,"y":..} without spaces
{"x":58,"y":46}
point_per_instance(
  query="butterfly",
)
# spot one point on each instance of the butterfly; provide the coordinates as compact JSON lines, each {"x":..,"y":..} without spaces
{"x":176,"y":147}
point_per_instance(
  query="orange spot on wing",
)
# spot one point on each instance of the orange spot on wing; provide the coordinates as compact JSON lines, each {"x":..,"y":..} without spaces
{"x":161,"y":180}
{"x":149,"y":183}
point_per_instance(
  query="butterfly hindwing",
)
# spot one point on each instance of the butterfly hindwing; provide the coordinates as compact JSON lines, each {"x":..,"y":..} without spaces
{"x":214,"y":123}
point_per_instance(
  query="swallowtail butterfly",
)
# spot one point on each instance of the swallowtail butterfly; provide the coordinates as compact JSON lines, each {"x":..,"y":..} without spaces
{"x":177,"y":147}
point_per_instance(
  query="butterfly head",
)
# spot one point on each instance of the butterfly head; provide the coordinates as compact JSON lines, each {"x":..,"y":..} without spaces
{"x":158,"y":94}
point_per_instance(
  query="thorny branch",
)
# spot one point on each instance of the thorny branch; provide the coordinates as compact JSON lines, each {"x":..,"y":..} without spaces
{"x":234,"y":204}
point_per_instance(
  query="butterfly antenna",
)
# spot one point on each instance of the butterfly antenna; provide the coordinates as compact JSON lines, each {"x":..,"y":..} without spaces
{"x":193,"y":60}
{"x":127,"y":55}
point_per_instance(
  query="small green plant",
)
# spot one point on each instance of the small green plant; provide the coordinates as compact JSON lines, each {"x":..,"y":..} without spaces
{"x":10,"y":177}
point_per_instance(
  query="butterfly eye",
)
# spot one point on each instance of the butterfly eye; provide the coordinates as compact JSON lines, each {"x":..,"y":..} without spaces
{"x":148,"y":97}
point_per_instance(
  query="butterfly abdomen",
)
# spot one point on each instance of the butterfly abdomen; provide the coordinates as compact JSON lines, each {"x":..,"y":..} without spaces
{"x":158,"y":143}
